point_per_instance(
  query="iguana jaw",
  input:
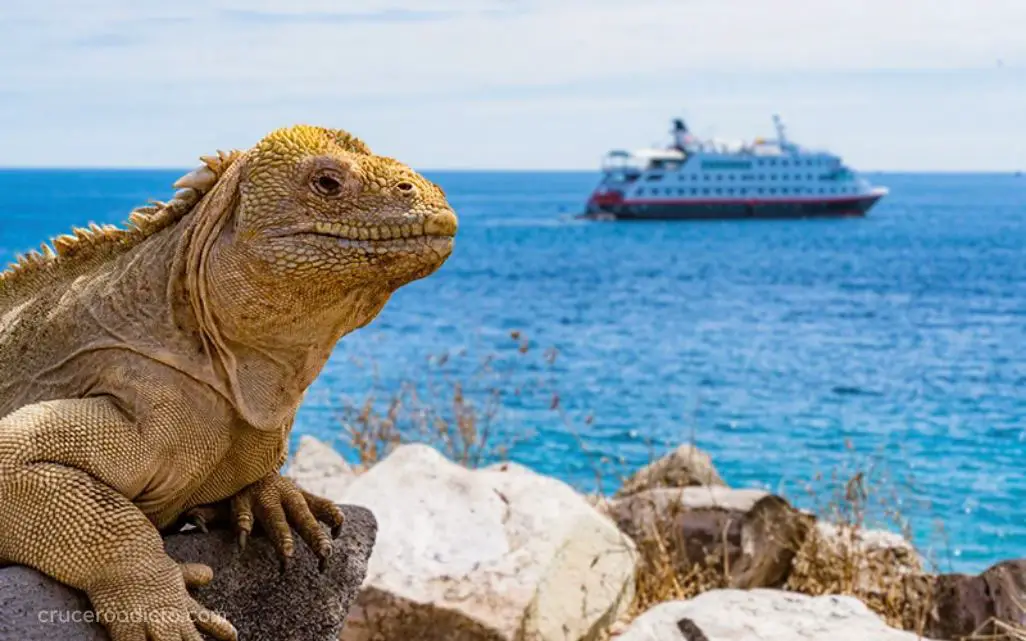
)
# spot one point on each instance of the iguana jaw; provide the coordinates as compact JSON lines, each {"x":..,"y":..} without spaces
{"x":434,"y":232}
{"x":438,"y":226}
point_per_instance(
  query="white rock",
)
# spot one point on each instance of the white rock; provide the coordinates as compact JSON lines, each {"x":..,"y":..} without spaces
{"x":865,"y":540}
{"x":319,"y":469}
{"x":484,"y":554}
{"x":763,"y":615}
{"x":707,"y":497}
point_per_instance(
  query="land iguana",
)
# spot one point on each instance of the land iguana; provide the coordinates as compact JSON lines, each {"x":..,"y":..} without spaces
{"x":151,"y":373}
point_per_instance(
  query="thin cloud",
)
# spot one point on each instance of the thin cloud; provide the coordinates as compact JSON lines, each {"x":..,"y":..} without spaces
{"x":324,"y":17}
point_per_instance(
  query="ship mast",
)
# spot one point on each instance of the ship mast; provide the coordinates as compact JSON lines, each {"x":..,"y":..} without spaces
{"x":781,"y":132}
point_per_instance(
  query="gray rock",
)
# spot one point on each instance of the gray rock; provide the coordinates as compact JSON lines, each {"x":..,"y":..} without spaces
{"x":264,"y":605}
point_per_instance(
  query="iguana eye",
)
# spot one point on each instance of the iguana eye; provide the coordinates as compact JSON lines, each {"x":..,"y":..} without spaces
{"x":327,"y":184}
{"x":406,"y":188}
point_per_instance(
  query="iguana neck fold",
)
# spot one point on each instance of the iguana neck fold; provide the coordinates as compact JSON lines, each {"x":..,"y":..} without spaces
{"x":261,"y":370}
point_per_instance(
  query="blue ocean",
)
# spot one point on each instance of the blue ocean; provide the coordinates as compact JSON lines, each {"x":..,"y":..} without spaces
{"x":795,"y":352}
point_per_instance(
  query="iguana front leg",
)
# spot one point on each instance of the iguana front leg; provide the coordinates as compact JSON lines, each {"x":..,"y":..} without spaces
{"x":274,"y":502}
{"x":75,"y":527}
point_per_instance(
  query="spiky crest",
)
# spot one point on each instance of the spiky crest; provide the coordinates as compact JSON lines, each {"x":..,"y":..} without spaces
{"x":72,"y":254}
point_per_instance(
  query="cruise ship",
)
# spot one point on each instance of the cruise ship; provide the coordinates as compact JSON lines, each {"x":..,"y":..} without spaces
{"x":694,"y":179}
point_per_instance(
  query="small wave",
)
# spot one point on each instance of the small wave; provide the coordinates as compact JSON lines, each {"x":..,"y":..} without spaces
{"x":845,"y":390}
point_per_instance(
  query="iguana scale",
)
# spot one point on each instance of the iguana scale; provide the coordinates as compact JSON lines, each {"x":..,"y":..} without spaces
{"x":152,"y":373}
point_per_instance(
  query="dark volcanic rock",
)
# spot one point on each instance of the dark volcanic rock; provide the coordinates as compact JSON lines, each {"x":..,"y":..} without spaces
{"x":262,"y":603}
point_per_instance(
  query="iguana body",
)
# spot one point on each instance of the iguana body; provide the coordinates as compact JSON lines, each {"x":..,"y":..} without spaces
{"x":155,"y":371}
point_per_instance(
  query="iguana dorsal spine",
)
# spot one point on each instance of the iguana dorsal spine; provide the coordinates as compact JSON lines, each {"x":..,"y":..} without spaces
{"x":74,"y":254}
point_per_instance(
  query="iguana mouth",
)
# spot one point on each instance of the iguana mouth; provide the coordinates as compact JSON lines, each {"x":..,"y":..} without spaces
{"x":435,"y":226}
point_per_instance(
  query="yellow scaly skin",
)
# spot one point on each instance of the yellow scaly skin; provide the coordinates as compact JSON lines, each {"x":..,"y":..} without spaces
{"x":152,"y":373}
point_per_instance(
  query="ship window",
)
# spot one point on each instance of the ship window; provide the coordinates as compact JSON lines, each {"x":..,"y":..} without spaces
{"x":743,"y":190}
{"x":693,"y":191}
{"x":772,"y":191}
{"x":760,"y":190}
{"x":705,"y":191}
{"x":719,"y":176}
{"x":783,"y":163}
{"x":654,"y":177}
{"x":783,"y":190}
{"x":641,"y":192}
{"x":719,"y":191}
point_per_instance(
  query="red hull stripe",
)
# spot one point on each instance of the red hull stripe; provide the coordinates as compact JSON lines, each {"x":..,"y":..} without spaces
{"x":747,"y":201}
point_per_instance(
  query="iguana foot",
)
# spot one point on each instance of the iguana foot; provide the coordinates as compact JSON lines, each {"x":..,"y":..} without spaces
{"x":274,"y":503}
{"x":148,"y":600}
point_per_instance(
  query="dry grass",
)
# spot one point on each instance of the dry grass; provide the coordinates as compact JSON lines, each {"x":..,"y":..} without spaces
{"x":1001,"y":631}
{"x":455,"y":406}
{"x":667,"y":573}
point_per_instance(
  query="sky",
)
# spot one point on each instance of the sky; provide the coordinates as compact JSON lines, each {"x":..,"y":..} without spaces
{"x":894,"y":85}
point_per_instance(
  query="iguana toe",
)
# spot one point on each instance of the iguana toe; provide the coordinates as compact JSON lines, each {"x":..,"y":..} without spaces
{"x":326,"y":512}
{"x":196,"y":575}
{"x":210,"y":623}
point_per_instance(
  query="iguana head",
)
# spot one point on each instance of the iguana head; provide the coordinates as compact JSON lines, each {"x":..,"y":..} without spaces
{"x":316,"y":204}
{"x":309,"y":226}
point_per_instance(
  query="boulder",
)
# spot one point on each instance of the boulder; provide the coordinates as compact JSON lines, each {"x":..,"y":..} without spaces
{"x":762,"y":615}
{"x":686,"y":466}
{"x":963,"y":604}
{"x":262,"y":603}
{"x":692,"y":524}
{"x":497,"y":554}
{"x":318,"y":468}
